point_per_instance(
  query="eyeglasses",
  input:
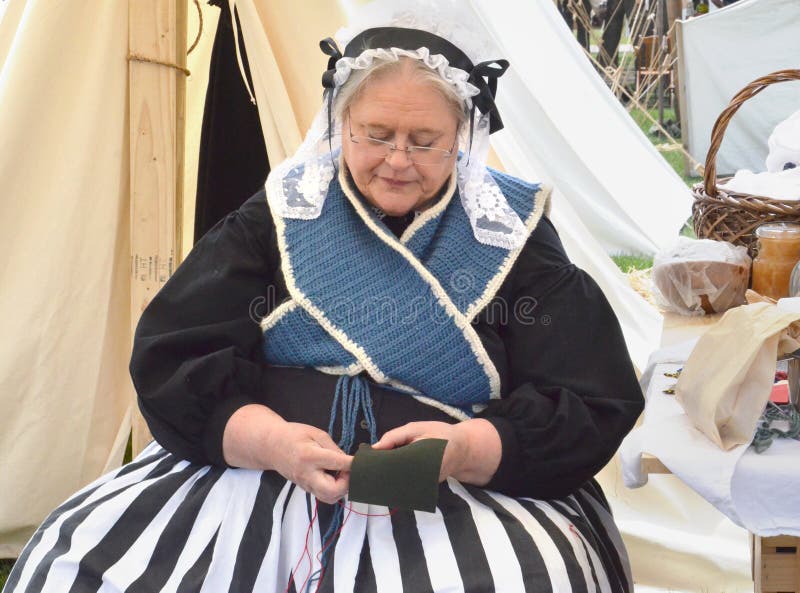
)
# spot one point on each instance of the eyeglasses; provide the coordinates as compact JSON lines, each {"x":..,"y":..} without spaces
{"x":419,"y":155}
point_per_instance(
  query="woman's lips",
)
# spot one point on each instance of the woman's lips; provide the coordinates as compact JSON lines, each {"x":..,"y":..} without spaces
{"x":394,"y":183}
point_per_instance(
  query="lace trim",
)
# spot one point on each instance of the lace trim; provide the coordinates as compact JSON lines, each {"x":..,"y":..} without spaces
{"x":493,"y":221}
{"x":299,"y":190}
{"x":437,"y":62}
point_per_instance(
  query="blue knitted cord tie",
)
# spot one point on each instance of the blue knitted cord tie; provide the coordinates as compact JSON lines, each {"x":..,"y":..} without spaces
{"x":352,"y":394}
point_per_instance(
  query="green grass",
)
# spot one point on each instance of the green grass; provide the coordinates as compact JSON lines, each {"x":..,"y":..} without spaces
{"x":126,"y":458}
{"x":5,"y":569}
{"x":626,"y":263}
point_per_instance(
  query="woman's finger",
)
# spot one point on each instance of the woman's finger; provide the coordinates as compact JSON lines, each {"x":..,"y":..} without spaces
{"x":402,"y":435}
{"x":329,"y":488}
{"x":325,"y":459}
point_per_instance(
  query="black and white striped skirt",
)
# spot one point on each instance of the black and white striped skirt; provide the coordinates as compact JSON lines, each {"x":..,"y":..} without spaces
{"x":164,"y":524}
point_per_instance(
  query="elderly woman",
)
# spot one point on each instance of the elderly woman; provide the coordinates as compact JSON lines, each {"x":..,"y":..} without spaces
{"x":384,"y":288}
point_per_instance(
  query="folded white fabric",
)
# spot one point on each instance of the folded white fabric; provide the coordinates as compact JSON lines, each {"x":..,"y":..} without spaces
{"x":779,"y":185}
{"x":784,"y":145}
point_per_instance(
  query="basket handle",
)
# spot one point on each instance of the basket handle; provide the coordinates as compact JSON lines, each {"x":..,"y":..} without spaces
{"x":751,"y":90}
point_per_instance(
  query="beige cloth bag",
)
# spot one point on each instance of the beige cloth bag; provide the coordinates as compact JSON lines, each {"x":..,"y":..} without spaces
{"x":726,"y":383}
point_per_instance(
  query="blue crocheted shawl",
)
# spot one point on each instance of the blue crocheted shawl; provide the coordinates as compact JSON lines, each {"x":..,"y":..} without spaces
{"x":399,"y":309}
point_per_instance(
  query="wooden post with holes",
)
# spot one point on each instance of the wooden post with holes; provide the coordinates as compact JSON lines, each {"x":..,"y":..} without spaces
{"x":156,"y":30}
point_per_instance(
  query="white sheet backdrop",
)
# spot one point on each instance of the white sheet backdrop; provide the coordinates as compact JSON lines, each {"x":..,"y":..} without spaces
{"x":65,"y":344}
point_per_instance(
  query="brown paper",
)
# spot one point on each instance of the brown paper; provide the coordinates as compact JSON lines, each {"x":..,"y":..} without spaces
{"x":725,"y":384}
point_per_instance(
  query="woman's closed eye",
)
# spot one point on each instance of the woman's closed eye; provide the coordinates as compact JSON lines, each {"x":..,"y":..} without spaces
{"x":425,"y":141}
{"x":381,"y":137}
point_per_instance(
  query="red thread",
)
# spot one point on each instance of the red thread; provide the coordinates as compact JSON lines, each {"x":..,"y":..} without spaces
{"x":307,"y":553}
{"x":389,"y":514}
{"x":304,"y":553}
{"x":325,"y":547}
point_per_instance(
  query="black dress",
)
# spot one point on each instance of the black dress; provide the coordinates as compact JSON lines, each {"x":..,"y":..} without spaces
{"x":178,"y":519}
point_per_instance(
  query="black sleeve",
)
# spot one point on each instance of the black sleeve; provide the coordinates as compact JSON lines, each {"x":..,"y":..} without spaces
{"x":197,"y":348}
{"x":573,"y":393}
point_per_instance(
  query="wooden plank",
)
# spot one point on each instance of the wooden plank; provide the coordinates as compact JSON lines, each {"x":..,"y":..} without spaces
{"x":753,"y":556}
{"x":154,"y":93}
{"x":778,"y":573}
{"x":756,"y":562}
{"x":780,"y":541}
{"x":181,"y":27}
{"x":776,"y":564}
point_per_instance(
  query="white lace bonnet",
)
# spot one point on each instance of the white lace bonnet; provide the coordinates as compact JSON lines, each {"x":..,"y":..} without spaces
{"x":297,"y":187}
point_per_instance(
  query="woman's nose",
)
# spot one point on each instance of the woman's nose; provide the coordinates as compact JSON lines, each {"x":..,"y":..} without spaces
{"x":398,"y":159}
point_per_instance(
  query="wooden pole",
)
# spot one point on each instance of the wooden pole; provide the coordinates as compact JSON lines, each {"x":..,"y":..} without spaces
{"x":156,"y":31}
{"x":683,"y":108}
{"x":661,"y":9}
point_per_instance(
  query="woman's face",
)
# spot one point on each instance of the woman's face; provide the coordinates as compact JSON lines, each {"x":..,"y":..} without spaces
{"x":401,"y":109}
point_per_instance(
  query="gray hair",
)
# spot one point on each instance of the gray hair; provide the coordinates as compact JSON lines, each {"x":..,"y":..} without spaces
{"x":358,"y":80}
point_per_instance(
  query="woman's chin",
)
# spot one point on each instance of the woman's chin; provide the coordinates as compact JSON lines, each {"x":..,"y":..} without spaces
{"x":395,"y":205}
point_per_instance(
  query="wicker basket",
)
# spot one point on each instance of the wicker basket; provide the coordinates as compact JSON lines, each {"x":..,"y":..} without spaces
{"x":731,"y":216}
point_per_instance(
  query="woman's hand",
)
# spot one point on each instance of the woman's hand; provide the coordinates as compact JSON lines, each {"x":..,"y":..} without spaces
{"x":258,"y":438}
{"x":473,"y":450}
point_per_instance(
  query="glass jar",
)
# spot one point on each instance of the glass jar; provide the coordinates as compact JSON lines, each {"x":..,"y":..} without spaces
{"x":794,"y":281}
{"x":777,"y":253}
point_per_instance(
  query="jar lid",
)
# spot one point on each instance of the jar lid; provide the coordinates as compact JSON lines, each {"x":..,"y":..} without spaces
{"x":779,"y":230}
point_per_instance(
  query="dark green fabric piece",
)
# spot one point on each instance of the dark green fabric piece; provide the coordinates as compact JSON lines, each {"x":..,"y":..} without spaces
{"x":405,"y":478}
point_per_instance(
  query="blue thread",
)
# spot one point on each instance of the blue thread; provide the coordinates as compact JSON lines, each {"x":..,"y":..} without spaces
{"x":352,"y":394}
{"x":330,"y":534}
{"x":313,"y":579}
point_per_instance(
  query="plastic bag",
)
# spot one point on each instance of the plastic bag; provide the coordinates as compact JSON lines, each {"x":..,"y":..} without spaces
{"x":700,"y":276}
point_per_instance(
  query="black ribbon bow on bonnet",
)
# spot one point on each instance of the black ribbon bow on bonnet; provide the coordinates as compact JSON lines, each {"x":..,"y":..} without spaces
{"x":483,"y":75}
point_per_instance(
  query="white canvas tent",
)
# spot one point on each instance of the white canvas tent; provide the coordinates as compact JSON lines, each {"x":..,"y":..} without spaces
{"x":720,"y":53}
{"x":66,"y":215}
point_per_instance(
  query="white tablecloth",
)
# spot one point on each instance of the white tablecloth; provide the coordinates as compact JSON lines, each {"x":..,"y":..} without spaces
{"x":760,"y":492}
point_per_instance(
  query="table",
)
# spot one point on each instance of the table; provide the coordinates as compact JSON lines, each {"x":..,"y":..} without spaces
{"x":775,"y":561}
